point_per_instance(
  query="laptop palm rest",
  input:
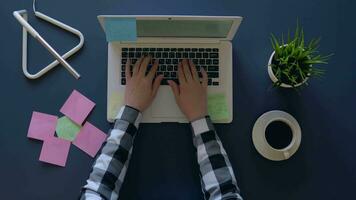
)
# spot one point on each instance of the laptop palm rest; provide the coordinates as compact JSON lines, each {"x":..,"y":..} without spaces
{"x":165,"y":106}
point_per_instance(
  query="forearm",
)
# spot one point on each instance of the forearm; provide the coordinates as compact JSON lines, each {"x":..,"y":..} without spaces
{"x":110,"y":167}
{"x":217,"y":177}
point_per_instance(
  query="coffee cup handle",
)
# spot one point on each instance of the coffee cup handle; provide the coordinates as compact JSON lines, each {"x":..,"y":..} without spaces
{"x":286,"y":154}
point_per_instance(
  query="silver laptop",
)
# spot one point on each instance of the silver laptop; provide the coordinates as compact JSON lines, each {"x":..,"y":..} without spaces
{"x":206,"y":40}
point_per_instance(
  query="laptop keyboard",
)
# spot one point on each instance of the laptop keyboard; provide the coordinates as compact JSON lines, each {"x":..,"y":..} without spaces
{"x":168,"y":58}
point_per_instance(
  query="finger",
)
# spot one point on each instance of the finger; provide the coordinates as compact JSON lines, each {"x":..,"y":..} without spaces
{"x":156,"y":85}
{"x":143,"y":66}
{"x":153,"y":70}
{"x":193,"y":69}
{"x":205,"y":77}
{"x":175,"y":88}
{"x":186,"y":70}
{"x":127,"y":70}
{"x":181,"y":76}
{"x":137,"y":66}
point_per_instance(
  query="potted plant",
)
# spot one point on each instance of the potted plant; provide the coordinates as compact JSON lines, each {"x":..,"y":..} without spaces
{"x":294,"y":62}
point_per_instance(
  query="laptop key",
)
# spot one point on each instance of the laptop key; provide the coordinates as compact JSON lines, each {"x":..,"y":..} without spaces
{"x":205,"y":55}
{"x":187,"y":49}
{"x":172,"y":55}
{"x":145,"y":49}
{"x":123,"y":81}
{"x":161,"y":61}
{"x":164,"y":82}
{"x":173,"y":49}
{"x":208,"y":49}
{"x":159,"y":49}
{"x":191,"y":55}
{"x":179,"y":55}
{"x":215,"y":50}
{"x":124,"y":54}
{"x":123,"y":61}
{"x":175,"y":61}
{"x":185,"y":55}
{"x":213,"y":68}
{"x":163,"y":68}
{"x":195,"y":61}
{"x":125,"y":49}
{"x":158,"y":54}
{"x":123,"y":67}
{"x":213,"y":74}
{"x":194,"y":49}
{"x":168,"y":61}
{"x":202,"y":62}
{"x":165,"y":55}
{"x":173,"y":74}
{"x":180,"y":49}
{"x":215,"y":83}
{"x":131,"y":49}
{"x":214,"y":55}
{"x":204,"y":67}
{"x":152,"y":49}
{"x":166,"y":49}
{"x":166,"y":74}
{"x":209,"y":81}
{"x":215,"y":61}
{"x":208,"y":61}
{"x":170,"y":68}
{"x":138,"y":49}
{"x":138,"y":55}
{"x":198,"y":55}
{"x":175,"y":67}
{"x":201,"y":49}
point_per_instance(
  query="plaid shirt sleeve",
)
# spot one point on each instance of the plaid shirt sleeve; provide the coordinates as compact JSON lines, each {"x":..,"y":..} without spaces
{"x":217,"y":177}
{"x":110,"y":167}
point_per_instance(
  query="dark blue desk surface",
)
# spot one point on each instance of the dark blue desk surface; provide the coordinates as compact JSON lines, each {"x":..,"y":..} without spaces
{"x":163,"y":165}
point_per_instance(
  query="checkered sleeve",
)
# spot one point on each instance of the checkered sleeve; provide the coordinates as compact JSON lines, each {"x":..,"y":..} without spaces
{"x":110,"y":166}
{"x":217,"y":177}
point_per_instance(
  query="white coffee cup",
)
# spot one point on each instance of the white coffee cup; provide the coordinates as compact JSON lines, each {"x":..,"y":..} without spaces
{"x":259,"y":135}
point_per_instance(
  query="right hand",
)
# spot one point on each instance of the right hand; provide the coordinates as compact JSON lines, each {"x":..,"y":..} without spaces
{"x":190,"y":95}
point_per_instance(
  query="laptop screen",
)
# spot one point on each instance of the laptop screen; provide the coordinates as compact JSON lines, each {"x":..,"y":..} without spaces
{"x":184,"y":28}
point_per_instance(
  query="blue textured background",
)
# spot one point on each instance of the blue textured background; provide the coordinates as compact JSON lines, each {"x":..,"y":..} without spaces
{"x":163,"y":165}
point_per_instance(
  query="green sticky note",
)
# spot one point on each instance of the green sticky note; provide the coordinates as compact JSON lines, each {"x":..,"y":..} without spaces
{"x":120,"y":29}
{"x":217,"y":107}
{"x":115,"y":102}
{"x":67,"y":129}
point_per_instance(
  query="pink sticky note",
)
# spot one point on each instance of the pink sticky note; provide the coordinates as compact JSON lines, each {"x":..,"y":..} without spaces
{"x":89,"y":139}
{"x":77,"y":107}
{"x":55,"y":151}
{"x":41,"y":126}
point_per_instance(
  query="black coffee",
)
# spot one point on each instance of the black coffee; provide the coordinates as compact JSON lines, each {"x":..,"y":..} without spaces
{"x":278,"y":134}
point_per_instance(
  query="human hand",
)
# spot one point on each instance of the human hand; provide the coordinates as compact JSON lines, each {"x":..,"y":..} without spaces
{"x":140,"y":88}
{"x":190,"y":95}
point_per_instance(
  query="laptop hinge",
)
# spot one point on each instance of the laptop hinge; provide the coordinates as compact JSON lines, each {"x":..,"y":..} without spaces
{"x":175,"y":40}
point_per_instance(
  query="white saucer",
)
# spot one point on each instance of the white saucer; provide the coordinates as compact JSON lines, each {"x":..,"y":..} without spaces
{"x":259,"y":135}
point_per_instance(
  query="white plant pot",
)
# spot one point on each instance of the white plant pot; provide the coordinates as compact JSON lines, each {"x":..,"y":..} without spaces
{"x":274,"y":78}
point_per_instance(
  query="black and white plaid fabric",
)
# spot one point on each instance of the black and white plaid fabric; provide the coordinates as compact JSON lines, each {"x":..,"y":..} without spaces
{"x":109,"y":169}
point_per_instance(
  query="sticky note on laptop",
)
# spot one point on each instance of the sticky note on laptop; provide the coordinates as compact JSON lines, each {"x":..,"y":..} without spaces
{"x":120,"y":29}
{"x":217,"y":107}
{"x":115,"y":102}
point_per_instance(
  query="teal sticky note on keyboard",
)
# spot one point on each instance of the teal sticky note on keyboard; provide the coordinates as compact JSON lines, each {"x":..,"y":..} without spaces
{"x":217,"y":107}
{"x":120,"y":29}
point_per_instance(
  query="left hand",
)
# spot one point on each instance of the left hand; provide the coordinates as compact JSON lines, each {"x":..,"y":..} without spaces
{"x":140,"y":88}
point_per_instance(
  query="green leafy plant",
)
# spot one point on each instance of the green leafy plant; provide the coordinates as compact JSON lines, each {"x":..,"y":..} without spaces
{"x":295,"y":60}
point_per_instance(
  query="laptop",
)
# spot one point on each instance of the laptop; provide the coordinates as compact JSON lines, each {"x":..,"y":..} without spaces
{"x":206,"y":40}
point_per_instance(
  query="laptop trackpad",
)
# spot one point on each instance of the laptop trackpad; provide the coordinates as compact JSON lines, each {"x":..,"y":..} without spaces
{"x":164,"y":105}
